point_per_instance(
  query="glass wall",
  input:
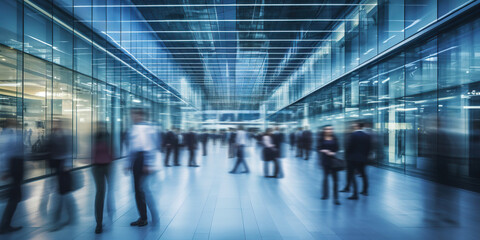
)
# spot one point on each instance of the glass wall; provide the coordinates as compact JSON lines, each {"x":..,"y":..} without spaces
{"x":422,"y":103}
{"x":362,"y":33}
{"x":55,"y":65}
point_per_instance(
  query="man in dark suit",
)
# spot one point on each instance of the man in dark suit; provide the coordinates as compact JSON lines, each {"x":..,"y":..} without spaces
{"x":292,"y":140}
{"x":191,"y":143}
{"x":171,"y":144}
{"x":298,"y":142}
{"x":277,"y":138}
{"x":204,"y":140}
{"x":306,"y":142}
{"x":357,"y":152}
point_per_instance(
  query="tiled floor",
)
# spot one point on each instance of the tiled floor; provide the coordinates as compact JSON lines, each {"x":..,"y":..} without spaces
{"x":209,"y":203}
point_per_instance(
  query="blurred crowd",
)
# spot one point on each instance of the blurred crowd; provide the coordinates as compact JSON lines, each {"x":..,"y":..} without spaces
{"x":145,"y":144}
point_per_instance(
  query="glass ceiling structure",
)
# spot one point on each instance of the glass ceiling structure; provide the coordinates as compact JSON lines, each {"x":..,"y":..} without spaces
{"x":237,"y":52}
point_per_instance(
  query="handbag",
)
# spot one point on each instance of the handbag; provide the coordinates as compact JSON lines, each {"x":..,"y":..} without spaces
{"x":338,"y":164}
{"x":76,"y":180}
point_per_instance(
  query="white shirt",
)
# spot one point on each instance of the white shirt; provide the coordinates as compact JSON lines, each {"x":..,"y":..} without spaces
{"x":143,"y":138}
{"x":241,"y":138}
{"x":267,"y":141}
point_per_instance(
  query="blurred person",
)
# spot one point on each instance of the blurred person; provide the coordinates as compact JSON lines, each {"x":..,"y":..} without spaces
{"x":298,"y":141}
{"x":278,"y":137}
{"x":231,"y":135}
{"x":292,"y":140}
{"x":214,"y":137}
{"x":60,"y":146}
{"x":171,"y":144}
{"x":240,"y":139}
{"x":192,"y":144}
{"x":307,"y":140}
{"x":357,"y":152}
{"x":101,"y":169}
{"x":327,"y":148}
{"x":142,"y":152}
{"x":348,"y":161}
{"x":204,"y":141}
{"x":269,"y":153}
{"x":12,"y":168}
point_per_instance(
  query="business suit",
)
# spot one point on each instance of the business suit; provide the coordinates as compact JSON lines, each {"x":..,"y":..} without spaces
{"x":190,"y":140}
{"x":171,"y":145}
{"x":306,"y":142}
{"x":357,"y":152}
{"x":278,"y":138}
{"x":292,"y":140}
{"x":326,"y":162}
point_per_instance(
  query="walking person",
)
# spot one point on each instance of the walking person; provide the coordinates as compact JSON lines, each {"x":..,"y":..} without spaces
{"x":142,"y":152}
{"x":12,"y":160}
{"x":192,"y":144}
{"x":101,"y":169}
{"x":349,"y":164}
{"x":60,"y":145}
{"x":298,"y":141}
{"x":269,"y":154}
{"x":327,"y":148}
{"x":307,"y":140}
{"x":240,"y":140}
{"x":357,"y":152}
{"x":171,"y":145}
{"x":204,"y":142}
{"x":278,"y":137}
{"x":292,"y":140}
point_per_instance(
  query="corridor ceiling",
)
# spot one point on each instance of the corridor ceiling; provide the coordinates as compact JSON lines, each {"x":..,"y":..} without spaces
{"x":239,"y":51}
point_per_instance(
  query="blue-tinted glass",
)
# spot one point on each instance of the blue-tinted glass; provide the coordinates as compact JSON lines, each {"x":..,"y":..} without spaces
{"x":368,"y":26}
{"x":11,"y":23}
{"x":390,"y":23}
{"x":38,"y":34}
{"x":418,"y":14}
{"x":445,"y":6}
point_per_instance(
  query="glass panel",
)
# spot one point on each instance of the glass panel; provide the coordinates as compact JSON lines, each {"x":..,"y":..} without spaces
{"x":391,"y":127}
{"x":390,"y":23}
{"x":38,"y":32}
{"x":421,"y":106}
{"x":418,"y":14}
{"x":338,"y":51}
{"x":83,"y":120}
{"x":11,"y":23}
{"x":368,"y":30}
{"x":37,"y":74}
{"x":445,"y":6}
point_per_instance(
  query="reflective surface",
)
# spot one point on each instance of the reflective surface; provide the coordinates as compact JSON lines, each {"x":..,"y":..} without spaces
{"x":209,"y":203}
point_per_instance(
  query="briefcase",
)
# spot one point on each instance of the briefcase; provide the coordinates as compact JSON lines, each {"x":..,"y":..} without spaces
{"x":338,"y":164}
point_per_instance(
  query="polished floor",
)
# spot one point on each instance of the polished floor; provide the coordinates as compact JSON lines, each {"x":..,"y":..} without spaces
{"x":209,"y":203}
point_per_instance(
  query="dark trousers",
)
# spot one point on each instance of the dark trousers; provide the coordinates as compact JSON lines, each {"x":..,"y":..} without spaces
{"x":360,"y":168}
{"x":138,"y":182}
{"x":101,"y":175}
{"x":350,"y":173}
{"x":328,"y":171}
{"x":276,"y":167}
{"x":204,"y":148}
{"x":14,"y":192}
{"x":175,"y":155}
{"x":240,"y":159}
{"x":306,"y":152}
{"x":191,"y":158}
